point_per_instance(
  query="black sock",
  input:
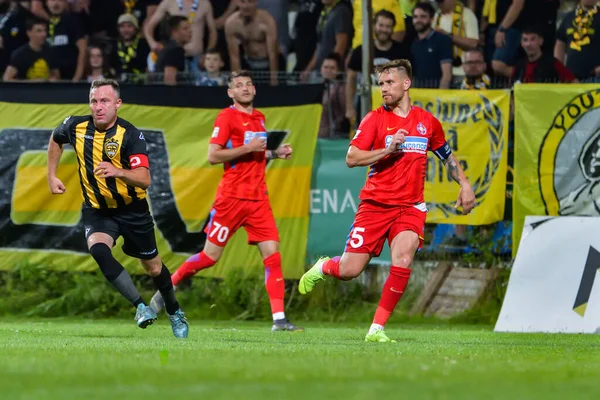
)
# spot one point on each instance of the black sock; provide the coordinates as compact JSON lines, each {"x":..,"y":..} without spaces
{"x":165,"y":287}
{"x":115,"y":273}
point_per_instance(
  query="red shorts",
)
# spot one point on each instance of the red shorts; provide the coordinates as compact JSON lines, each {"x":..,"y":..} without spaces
{"x":376,"y":222}
{"x":229,"y":214}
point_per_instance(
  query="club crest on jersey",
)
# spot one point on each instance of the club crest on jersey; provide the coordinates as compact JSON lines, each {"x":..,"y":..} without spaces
{"x":421,"y":128}
{"x":249,"y":135}
{"x":111,"y":147}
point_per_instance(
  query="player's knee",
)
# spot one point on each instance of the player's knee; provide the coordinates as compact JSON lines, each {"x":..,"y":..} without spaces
{"x":349,"y":271}
{"x":153,"y":267}
{"x":402,"y":260}
{"x":100,"y":252}
{"x":110,"y":267}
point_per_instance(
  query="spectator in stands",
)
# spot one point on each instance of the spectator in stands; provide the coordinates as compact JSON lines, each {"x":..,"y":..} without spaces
{"x":279,"y":10}
{"x":460,"y":24}
{"x":537,"y":67}
{"x":474,"y":67}
{"x":171,"y":60}
{"x":130,"y":55}
{"x":334,"y":124}
{"x":13,"y":27}
{"x":578,"y":41}
{"x":305,"y":32}
{"x":222,"y":9}
{"x":213,"y":65}
{"x":543,"y":14}
{"x":34,"y":61}
{"x":431,"y":51}
{"x":256,"y":31}
{"x":334,"y":34}
{"x":385,"y":49}
{"x":67,"y":39}
{"x":100,"y":15}
{"x":200,"y":15}
{"x":501,"y":25}
{"x":392,"y":6}
{"x":95,"y":67}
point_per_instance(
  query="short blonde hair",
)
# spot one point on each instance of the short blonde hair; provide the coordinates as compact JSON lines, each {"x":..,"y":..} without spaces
{"x":399,"y":65}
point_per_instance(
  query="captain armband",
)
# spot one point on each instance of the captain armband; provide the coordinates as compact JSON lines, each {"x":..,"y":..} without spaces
{"x":443,"y":152}
{"x":138,"y":160}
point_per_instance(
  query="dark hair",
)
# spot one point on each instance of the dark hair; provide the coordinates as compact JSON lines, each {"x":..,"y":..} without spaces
{"x":33,"y":21}
{"x":385,"y":14}
{"x":427,"y":7}
{"x":107,"y":82}
{"x":214,"y":51}
{"x":174,"y":22}
{"x":335,"y":57}
{"x":399,"y":65}
{"x":238,"y":74}
{"x":533,"y":29}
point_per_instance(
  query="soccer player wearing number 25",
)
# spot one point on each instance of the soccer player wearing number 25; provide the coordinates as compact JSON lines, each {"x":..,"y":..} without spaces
{"x":393,"y":140}
{"x":239,"y":141}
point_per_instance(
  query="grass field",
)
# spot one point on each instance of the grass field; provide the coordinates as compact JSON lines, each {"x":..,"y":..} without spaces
{"x":89,"y":359}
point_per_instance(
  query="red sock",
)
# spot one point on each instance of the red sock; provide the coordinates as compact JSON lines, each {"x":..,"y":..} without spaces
{"x":191,"y":266}
{"x":392,"y":291}
{"x":332,"y":267}
{"x":274,"y":282}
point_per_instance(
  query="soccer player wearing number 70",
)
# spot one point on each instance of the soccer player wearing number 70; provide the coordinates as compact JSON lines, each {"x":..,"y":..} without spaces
{"x":239,"y":141}
{"x":393,"y":141}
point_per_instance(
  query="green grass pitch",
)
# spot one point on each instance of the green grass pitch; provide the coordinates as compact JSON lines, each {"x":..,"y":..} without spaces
{"x":113,"y":359}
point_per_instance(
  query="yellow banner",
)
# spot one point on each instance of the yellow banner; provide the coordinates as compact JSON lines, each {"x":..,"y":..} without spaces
{"x":476,"y":126}
{"x":42,"y":229}
{"x":557,"y":152}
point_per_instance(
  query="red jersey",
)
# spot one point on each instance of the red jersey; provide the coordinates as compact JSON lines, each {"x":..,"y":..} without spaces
{"x":244,"y":177}
{"x":398,"y":179}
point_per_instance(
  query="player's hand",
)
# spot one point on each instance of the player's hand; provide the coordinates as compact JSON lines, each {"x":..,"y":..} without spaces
{"x":56,"y":186}
{"x":466,"y":199}
{"x":284,"y":151}
{"x":107,"y":170}
{"x":397,"y":140}
{"x":257,"y":144}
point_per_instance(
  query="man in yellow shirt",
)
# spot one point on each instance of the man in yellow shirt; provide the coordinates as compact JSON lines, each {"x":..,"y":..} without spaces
{"x":391,"y":5}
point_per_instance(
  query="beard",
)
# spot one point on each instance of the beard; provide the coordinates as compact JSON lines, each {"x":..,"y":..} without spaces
{"x":423,"y":28}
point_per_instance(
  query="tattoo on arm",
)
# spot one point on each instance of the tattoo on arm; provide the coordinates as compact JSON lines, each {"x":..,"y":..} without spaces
{"x":452,"y":164}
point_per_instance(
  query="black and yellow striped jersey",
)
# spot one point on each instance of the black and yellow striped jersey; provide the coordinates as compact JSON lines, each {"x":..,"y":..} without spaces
{"x":123,"y":145}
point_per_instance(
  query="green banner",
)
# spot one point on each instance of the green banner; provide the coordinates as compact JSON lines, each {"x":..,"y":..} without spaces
{"x":334,"y":200}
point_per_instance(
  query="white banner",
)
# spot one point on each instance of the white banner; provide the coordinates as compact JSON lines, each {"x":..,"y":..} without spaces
{"x":553,"y":285}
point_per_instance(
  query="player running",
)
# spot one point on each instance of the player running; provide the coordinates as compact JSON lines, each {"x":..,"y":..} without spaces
{"x":393,"y":140}
{"x":239,"y":141}
{"x":114,"y":172}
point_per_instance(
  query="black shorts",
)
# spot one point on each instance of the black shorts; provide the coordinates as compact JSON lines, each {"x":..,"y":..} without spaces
{"x":134,"y":222}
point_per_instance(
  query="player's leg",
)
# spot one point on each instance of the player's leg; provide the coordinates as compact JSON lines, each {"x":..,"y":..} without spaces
{"x":262,"y":230}
{"x":101,"y":232}
{"x":162,"y":281}
{"x":365,"y":240}
{"x":405,"y":238}
{"x":224,"y":219}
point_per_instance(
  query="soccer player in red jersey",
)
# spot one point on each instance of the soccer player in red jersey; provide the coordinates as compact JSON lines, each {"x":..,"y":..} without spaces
{"x":393,"y":141}
{"x":239,"y":141}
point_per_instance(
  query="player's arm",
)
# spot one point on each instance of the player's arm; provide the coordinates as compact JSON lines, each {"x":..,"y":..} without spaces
{"x":466,"y":197}
{"x":218,"y":155}
{"x":59,"y":137}
{"x":361,"y":152}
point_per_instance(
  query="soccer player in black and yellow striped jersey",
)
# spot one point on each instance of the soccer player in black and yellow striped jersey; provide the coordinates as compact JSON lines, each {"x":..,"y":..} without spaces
{"x":114,"y":173}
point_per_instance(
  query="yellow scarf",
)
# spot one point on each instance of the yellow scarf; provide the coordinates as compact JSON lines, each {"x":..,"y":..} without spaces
{"x":52,"y":26}
{"x":480,"y":84}
{"x":458,"y":27}
{"x":324,"y":14}
{"x":489,"y":11}
{"x":582,"y":27}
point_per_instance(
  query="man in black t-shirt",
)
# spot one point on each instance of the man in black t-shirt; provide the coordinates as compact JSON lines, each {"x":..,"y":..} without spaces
{"x":67,"y":37}
{"x":13,"y":27}
{"x":384,"y":50}
{"x":130,"y":55}
{"x":34,"y":61}
{"x":171,"y":60}
{"x":578,"y":40}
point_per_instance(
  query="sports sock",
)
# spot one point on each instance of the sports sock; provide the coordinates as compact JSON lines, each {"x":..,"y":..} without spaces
{"x":114,"y":273}
{"x":164,"y":285}
{"x":392,"y":292}
{"x":191,"y":266}
{"x":331,"y":267}
{"x":275,"y":285}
